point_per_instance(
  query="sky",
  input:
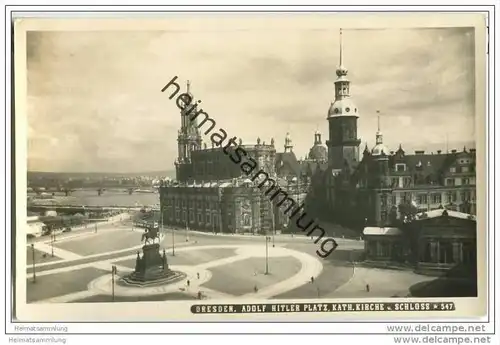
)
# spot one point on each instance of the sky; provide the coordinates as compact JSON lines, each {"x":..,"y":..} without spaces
{"x":95,"y":102}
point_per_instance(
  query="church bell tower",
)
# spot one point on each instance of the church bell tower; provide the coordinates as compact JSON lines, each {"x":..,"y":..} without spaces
{"x":343,"y":143}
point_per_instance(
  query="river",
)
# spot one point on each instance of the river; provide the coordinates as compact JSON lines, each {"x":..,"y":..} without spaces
{"x":108,"y":198}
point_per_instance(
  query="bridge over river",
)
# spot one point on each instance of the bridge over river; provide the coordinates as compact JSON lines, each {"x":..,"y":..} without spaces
{"x":73,"y":209}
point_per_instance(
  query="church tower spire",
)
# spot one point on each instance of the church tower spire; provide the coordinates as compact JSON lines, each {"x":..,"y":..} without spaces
{"x":378,"y":136}
{"x":341,"y":70}
{"x":189,"y":137}
{"x":288,"y":143}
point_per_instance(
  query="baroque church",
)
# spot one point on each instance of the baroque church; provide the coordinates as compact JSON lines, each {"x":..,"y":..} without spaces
{"x":377,"y":192}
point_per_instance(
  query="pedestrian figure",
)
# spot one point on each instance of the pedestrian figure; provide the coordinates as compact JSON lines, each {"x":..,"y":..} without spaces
{"x":367,"y":288}
{"x":198,"y":275}
{"x":255,"y":289}
{"x":188,"y":283}
{"x":312,"y":280}
{"x":199,"y":295}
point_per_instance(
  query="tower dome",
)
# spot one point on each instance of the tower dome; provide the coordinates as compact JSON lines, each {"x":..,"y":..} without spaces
{"x":318,"y":152}
{"x":343,"y":107}
{"x":379,"y":149}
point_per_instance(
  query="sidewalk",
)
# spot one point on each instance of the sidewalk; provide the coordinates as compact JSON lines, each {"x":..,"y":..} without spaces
{"x":295,"y":237}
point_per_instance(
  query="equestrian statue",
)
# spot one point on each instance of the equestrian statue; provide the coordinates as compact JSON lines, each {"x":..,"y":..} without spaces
{"x":150,"y":234}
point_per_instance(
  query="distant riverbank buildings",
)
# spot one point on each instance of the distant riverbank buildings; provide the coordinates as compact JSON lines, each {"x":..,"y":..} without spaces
{"x":378,"y":191}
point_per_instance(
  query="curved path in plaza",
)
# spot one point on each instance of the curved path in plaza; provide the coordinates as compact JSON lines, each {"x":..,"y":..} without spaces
{"x":310,"y":266}
{"x":214,"y":263}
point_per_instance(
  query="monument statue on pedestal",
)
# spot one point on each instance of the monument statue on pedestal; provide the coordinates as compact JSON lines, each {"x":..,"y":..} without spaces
{"x":152,"y":267}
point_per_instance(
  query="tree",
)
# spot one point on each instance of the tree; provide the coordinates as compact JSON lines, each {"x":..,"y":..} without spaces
{"x":408,"y":211}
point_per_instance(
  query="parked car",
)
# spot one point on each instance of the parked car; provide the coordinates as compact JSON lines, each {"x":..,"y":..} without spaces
{"x":67,"y":229}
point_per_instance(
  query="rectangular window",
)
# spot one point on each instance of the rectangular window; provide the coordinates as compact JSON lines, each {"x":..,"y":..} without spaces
{"x":394,"y":182}
{"x":436,"y":198}
{"x":450,"y":181}
{"x":463,"y":196}
{"x":208,"y":218}
{"x":465,"y":181}
{"x":384,"y":200}
{"x":453,"y":197}
{"x":407,"y":182}
{"x":407,"y":197}
{"x":422,"y":199}
{"x":465,"y":169}
{"x":400,"y":167}
{"x":453,"y":169}
{"x":393,"y":200}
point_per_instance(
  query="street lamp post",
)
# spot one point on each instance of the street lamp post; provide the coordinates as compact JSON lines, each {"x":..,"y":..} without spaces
{"x":33,"y":259}
{"x":219,"y":204}
{"x":173,"y":242}
{"x":187,"y":229}
{"x":85,"y":216}
{"x":272,"y":221}
{"x":267,"y":254}
{"x":113,"y":272}
{"x":161,"y":220}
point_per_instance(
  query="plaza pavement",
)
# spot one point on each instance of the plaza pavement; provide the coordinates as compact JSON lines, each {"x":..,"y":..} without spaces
{"x":310,"y":266}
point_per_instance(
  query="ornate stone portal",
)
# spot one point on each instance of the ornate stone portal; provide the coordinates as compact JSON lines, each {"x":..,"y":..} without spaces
{"x":152,"y":268}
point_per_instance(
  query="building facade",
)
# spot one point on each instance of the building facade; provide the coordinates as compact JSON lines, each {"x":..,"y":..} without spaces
{"x":212,"y":193}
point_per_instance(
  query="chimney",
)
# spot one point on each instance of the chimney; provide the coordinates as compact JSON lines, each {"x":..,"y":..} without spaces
{"x":438,"y":152}
{"x":453,"y":151}
{"x":419,"y":152}
{"x":473,"y":151}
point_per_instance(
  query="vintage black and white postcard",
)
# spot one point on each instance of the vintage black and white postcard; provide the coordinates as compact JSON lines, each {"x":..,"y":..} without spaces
{"x":230,"y":166}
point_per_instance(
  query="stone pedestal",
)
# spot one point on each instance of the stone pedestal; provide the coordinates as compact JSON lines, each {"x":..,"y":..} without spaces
{"x":151,"y":266}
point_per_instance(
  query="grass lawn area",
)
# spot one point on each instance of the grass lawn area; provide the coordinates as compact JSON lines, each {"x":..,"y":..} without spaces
{"x":40,"y":256}
{"x":165,"y":297}
{"x":189,"y":258}
{"x":239,"y":278}
{"x":102,"y":242}
{"x":58,"y":284}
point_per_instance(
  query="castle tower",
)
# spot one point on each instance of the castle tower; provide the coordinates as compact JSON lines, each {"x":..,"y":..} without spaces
{"x":343,"y":143}
{"x":380,"y":183}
